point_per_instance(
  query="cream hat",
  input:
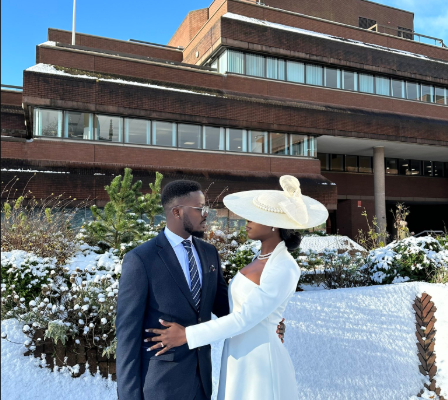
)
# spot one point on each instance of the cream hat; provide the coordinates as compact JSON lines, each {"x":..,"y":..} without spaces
{"x":287,"y":209}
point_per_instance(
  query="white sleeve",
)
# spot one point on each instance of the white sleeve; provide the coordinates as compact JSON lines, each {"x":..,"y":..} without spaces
{"x":276,"y":286}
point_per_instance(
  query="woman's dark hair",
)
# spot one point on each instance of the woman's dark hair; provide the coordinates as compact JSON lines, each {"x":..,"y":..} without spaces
{"x":292,"y":238}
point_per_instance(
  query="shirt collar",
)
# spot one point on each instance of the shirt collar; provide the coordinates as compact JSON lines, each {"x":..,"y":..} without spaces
{"x":174,"y":239}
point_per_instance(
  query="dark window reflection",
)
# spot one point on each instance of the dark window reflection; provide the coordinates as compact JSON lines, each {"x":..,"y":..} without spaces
{"x":337,"y":162}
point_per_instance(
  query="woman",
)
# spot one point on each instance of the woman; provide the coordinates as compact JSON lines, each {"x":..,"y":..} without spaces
{"x":255,"y":365}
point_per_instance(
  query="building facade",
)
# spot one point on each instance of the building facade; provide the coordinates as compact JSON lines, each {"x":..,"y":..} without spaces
{"x":340,"y":94}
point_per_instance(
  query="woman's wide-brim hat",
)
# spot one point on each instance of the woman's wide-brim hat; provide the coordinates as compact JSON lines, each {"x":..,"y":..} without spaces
{"x":287,"y":208}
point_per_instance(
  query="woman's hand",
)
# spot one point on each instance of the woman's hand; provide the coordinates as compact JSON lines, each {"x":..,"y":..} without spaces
{"x":281,"y":330}
{"x":173,"y":336}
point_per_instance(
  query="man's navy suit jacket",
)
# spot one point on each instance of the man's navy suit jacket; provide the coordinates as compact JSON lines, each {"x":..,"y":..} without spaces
{"x":152,"y":287}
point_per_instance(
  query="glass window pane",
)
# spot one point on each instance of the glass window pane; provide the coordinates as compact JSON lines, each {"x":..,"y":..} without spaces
{"x":164,"y":134}
{"x":437,"y":167}
{"x":281,"y":69}
{"x":427,"y":168}
{"x":137,"y":131}
{"x":333,"y":78}
{"x":108,"y":128}
{"x":223,"y":62}
{"x":365,"y":164}
{"x":403,"y":166}
{"x":324,"y":161}
{"x":235,"y":62}
{"x":255,"y":65}
{"x":349,"y":80}
{"x":398,"y":89}
{"x":298,"y":145}
{"x":295,"y":71}
{"x":391,"y":166}
{"x":189,"y":136}
{"x":427,"y":94}
{"x":412,"y":91}
{"x":78,"y":125}
{"x":366,"y":83}
{"x":351,"y":163}
{"x":258,"y":142}
{"x":382,"y":86}
{"x":236,"y":140}
{"x":415,"y":167}
{"x":49,"y":123}
{"x":337,"y":162}
{"x":213,"y":138}
{"x":278,"y":143}
{"x":271,"y":68}
{"x":314,"y":74}
{"x":214,"y":64}
{"x":441,"y":96}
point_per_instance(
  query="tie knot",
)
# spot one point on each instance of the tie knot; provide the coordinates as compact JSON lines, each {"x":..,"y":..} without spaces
{"x":186,"y":243}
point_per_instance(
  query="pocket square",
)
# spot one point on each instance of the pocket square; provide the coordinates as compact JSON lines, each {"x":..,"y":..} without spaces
{"x":212,"y":268}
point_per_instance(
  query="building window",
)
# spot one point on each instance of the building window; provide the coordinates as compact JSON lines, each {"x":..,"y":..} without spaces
{"x":137,"y":131}
{"x":258,"y":142}
{"x":398,"y":89}
{"x":351,"y":163}
{"x":366,"y":83}
{"x":415,"y":167}
{"x":365,"y":164}
{"x":337,"y":162}
{"x":278,"y":143}
{"x":78,"y":125}
{"x":349,"y":81}
{"x":314,"y":75}
{"x":403,"y":166}
{"x":271,"y":68}
{"x":189,"y":136}
{"x":108,"y":128}
{"x":437,"y":168}
{"x":366,"y":23}
{"x":427,"y":168}
{"x":282,"y":70}
{"x":441,"y":96}
{"x":312,"y":146}
{"x":382,"y":86}
{"x":47,"y":122}
{"x":235,"y":62}
{"x":295,"y":71}
{"x":412,"y":91}
{"x":324,"y":161}
{"x":222,"y":62}
{"x":404,"y":33}
{"x":391,"y":166}
{"x":213,"y":138}
{"x":164,"y":134}
{"x":236,"y":140}
{"x":255,"y":65}
{"x":427,"y":94}
{"x":298,"y":145}
{"x":332,"y":78}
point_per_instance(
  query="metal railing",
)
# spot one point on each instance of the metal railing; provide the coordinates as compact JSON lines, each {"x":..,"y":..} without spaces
{"x":429,"y":233}
{"x":406,"y":34}
{"x":11,"y":87}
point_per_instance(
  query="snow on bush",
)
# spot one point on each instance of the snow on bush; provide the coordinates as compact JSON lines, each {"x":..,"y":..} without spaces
{"x":410,"y":259}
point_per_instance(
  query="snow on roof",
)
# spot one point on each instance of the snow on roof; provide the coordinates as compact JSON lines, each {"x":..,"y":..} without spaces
{"x":51,"y":70}
{"x":321,"y":243}
{"x":325,"y":36}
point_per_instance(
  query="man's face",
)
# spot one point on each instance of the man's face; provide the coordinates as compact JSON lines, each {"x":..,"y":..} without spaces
{"x":193,"y":221}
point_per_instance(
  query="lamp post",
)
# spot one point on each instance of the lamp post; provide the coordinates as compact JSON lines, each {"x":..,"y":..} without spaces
{"x":74,"y":19}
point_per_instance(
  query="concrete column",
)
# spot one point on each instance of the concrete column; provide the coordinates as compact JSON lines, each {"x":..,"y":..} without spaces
{"x":379,"y":179}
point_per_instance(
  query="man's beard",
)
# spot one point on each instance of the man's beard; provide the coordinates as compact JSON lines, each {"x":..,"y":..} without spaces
{"x":188,"y":226}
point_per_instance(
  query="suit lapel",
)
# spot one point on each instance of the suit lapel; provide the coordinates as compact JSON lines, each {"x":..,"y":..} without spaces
{"x":169,"y":258}
{"x":205,"y":268}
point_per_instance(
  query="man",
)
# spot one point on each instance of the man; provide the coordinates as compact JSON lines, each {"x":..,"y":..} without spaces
{"x":174,"y":277}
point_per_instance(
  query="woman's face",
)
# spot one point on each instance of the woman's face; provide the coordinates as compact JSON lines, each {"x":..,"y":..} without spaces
{"x":259,"y":232}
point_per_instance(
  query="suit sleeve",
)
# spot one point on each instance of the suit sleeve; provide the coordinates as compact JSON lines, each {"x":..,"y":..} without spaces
{"x":131,"y":305}
{"x":277,"y":285}
{"x":221,"y":303}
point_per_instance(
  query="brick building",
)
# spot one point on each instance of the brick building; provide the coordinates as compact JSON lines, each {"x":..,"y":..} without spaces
{"x":339,"y":93}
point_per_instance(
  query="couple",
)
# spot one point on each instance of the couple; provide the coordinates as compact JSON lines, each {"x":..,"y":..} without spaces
{"x":171,"y":285}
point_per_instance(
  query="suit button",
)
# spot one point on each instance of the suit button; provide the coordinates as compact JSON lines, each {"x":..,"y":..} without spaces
{"x":199,"y":320}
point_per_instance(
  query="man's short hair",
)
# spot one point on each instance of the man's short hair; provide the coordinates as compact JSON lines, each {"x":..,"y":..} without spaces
{"x":178,"y":189}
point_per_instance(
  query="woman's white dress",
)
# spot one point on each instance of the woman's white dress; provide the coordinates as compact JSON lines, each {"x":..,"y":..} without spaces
{"x":255,"y":365}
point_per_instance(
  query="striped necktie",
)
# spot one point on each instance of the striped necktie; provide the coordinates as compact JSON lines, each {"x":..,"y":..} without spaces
{"x":195,"y":284}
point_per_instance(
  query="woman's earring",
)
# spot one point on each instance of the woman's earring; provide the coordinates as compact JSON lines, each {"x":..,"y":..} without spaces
{"x":273,"y":229}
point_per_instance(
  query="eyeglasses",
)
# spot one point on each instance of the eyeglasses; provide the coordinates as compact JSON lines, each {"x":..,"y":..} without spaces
{"x":204,"y":210}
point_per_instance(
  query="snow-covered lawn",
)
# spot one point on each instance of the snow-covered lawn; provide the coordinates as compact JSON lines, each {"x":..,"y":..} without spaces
{"x":351,"y":344}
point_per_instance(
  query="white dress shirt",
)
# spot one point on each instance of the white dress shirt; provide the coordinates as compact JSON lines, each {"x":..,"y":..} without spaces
{"x":182,"y":255}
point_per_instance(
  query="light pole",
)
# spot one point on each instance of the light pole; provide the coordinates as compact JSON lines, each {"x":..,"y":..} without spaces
{"x":74,"y":19}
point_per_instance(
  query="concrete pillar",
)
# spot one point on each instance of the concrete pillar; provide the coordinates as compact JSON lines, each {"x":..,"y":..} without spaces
{"x":379,"y":179}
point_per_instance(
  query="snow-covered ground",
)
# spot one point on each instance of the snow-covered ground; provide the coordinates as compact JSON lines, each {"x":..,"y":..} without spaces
{"x":320,"y":243}
{"x":351,"y":344}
